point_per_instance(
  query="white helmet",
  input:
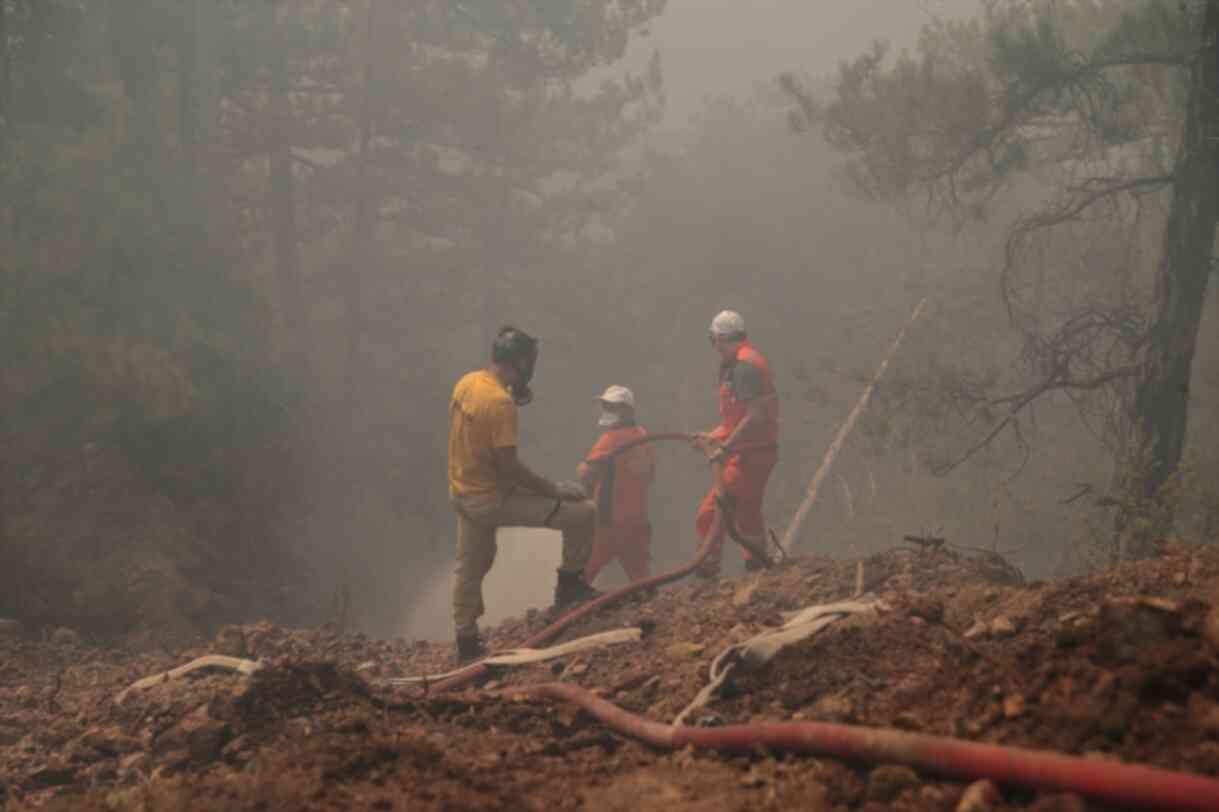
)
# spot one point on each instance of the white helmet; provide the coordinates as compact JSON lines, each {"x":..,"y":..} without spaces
{"x":618,"y":395}
{"x":727,"y":323}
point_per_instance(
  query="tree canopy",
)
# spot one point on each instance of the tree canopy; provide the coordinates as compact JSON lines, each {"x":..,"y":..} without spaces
{"x":222,"y":222}
{"x":1103,"y":113}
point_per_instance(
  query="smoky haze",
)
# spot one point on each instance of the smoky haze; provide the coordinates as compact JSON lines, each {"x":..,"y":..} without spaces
{"x":713,"y":48}
{"x":720,"y":60}
{"x":250,"y":248}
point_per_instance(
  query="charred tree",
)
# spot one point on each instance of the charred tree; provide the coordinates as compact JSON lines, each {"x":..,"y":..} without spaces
{"x":1163,"y":378}
{"x":1082,"y":98}
{"x":282,"y":203}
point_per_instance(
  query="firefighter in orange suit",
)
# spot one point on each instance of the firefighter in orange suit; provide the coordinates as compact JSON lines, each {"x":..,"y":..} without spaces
{"x":746,"y":441}
{"x":619,"y":484}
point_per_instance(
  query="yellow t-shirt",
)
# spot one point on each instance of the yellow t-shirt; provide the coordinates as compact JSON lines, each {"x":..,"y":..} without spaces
{"x":482,"y":417}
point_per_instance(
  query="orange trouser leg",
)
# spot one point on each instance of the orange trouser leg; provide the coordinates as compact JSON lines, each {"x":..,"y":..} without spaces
{"x":744,"y":479}
{"x":635,"y":551}
{"x":629,"y":544}
{"x":603,"y":553}
{"x":702,"y":525}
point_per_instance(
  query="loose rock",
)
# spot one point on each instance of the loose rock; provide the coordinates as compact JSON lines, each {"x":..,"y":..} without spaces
{"x":980,"y":796}
{"x":885,"y":783}
{"x":685,"y":650}
{"x":1002,"y":627}
{"x":63,"y":636}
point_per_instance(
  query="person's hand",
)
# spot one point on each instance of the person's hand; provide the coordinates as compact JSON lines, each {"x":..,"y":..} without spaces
{"x":570,"y":491}
{"x":705,"y":443}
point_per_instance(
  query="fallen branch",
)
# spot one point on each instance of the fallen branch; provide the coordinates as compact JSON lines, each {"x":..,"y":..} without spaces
{"x":926,"y":542}
{"x":1111,"y":783}
{"x":793,"y":529}
{"x":237,"y":664}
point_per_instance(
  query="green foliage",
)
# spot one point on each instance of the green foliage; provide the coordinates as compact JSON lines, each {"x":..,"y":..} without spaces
{"x":1081,"y":109}
{"x":222,"y":224}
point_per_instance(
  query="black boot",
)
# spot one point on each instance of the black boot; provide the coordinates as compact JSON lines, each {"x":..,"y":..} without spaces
{"x":755,"y":564}
{"x":572,"y":589}
{"x":469,"y":647}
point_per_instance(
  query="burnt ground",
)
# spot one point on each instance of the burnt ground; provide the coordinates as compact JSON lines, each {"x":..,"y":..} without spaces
{"x":1115,"y":665}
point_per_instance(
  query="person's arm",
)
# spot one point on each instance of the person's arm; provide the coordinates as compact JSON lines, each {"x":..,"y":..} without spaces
{"x":591,"y":468}
{"x":512,"y":469}
{"x":747,"y":383}
{"x":589,"y":475}
{"x":509,"y":469}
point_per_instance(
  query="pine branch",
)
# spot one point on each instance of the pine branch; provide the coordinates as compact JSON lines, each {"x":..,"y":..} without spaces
{"x":1022,"y":400}
{"x":1086,"y":195}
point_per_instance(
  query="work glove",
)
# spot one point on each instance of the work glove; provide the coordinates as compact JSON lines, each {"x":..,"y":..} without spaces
{"x":570,"y":490}
{"x":708,"y":444}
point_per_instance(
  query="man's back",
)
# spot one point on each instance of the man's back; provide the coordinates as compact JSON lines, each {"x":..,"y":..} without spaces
{"x":482,"y":418}
{"x":623,"y":496}
{"x":749,"y":378}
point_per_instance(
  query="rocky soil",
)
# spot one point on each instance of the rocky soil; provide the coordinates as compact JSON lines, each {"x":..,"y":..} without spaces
{"x":1119,"y":665}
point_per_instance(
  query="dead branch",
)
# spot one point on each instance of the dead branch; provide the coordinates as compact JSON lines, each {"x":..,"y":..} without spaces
{"x":797,"y":521}
{"x":927,"y":542}
{"x":53,"y":696}
{"x":1021,"y":400}
{"x":1084,"y":489}
{"x":1085,"y":195}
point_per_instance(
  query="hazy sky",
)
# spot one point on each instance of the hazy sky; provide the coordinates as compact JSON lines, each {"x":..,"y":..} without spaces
{"x":710,"y":47}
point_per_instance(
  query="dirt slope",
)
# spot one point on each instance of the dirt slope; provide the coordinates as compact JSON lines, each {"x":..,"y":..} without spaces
{"x":1117,"y":665}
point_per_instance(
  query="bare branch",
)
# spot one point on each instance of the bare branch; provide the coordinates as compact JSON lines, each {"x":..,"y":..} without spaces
{"x":1021,"y":400}
{"x":301,"y":159}
{"x":1086,"y":195}
{"x":1136,"y":60}
{"x":1084,"y":489}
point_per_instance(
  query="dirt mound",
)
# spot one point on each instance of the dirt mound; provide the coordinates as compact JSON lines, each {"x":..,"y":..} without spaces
{"x":1119,"y":665}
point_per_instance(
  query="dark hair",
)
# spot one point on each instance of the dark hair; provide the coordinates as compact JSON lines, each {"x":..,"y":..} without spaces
{"x":513,"y":346}
{"x":519,"y":350}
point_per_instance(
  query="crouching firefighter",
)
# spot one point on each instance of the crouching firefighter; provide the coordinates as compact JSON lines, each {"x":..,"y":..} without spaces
{"x":619,"y":478}
{"x":745,"y":445}
{"x":490,"y":487}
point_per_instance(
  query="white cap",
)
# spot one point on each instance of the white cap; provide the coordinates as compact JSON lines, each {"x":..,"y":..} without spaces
{"x":727,"y":323}
{"x":618,"y":394}
{"x":614,"y":394}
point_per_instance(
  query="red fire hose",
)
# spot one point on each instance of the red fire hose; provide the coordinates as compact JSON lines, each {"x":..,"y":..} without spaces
{"x":1122,"y":785}
{"x":547,"y":634}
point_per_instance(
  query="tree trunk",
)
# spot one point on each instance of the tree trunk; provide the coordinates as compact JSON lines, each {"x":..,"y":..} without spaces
{"x":1162,"y":393}
{"x":7,"y":225}
{"x":362,"y":231}
{"x":135,"y":56}
{"x":6,"y":72}
{"x":188,"y":81}
{"x":283,"y":207}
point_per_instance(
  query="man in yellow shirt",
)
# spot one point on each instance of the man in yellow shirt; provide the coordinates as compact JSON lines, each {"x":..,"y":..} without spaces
{"x":490,"y":487}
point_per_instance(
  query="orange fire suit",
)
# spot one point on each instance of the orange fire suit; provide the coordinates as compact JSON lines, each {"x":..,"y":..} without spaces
{"x":623,"y":531}
{"x":748,"y":463}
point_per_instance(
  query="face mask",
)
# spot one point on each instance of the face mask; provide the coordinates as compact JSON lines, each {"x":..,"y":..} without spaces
{"x":609,"y":419}
{"x":522,"y":395}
